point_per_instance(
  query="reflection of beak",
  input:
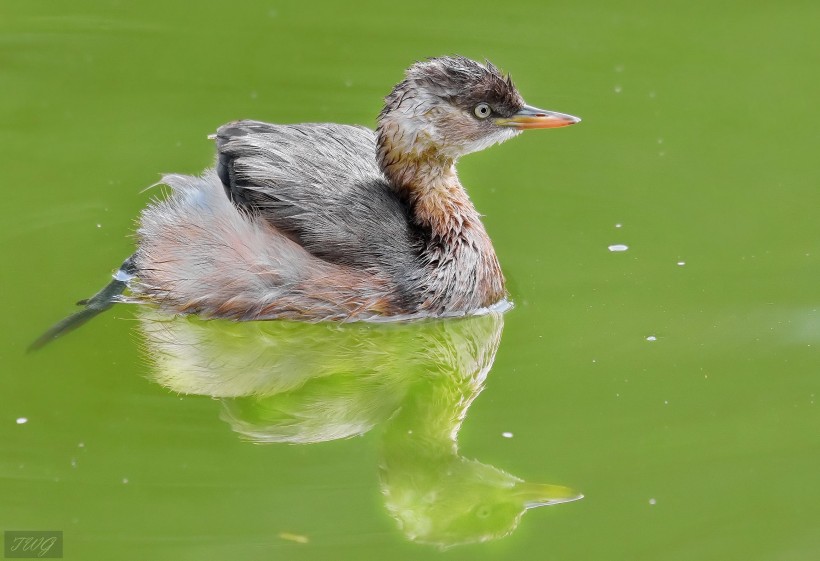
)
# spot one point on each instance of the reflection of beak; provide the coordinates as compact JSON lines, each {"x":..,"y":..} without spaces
{"x":533,"y":118}
{"x":540,"y":494}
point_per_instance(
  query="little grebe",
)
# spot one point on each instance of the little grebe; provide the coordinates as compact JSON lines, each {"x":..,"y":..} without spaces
{"x":334,"y":222}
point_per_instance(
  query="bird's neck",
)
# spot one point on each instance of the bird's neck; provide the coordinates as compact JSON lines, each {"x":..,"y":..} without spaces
{"x":434,"y":192}
{"x":427,"y":180}
{"x":468,"y":275}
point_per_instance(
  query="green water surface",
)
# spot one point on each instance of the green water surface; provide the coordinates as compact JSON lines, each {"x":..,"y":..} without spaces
{"x":674,"y":384}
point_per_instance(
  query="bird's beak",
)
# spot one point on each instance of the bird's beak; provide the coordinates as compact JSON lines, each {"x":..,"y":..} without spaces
{"x":533,"y":118}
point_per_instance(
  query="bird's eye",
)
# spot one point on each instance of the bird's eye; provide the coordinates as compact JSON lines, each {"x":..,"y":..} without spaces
{"x":482,"y":111}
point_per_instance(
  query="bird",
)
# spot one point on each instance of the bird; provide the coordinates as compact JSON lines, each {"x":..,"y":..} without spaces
{"x":333,"y":222}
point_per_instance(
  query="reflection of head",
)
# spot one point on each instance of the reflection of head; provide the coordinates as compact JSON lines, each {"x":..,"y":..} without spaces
{"x":305,"y":383}
{"x":464,"y":501}
{"x":436,"y":495}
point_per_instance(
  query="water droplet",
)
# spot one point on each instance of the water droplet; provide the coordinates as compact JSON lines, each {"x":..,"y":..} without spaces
{"x":681,"y":263}
{"x":618,"y":247}
{"x":652,"y":501}
{"x":22,"y":420}
{"x":651,"y":338}
{"x":507,"y":434}
{"x":618,"y":225}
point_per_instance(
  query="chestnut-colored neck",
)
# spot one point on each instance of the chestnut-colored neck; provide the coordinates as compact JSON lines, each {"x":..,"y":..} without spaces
{"x":466,"y":274}
{"x":426,"y":179}
{"x":435,"y":194}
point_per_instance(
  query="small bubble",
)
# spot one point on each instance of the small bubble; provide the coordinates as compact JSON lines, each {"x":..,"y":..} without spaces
{"x":99,"y":225}
{"x":660,"y":141}
{"x":681,"y":263}
{"x":618,"y":247}
{"x":507,"y":434}
{"x":22,"y":420}
{"x":81,"y":445}
{"x":652,"y":501}
{"x":124,"y":480}
{"x":618,"y":225}
{"x":651,"y":338}
{"x":618,"y":89}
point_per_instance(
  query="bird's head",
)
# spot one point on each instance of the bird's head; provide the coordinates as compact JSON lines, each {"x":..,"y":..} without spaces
{"x":450,"y":106}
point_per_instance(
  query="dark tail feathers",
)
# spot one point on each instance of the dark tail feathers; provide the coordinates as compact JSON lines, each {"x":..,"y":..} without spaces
{"x":97,"y":304}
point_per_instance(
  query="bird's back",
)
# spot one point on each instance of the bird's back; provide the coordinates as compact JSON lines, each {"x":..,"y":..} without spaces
{"x":297,"y":221}
{"x":320,"y":185}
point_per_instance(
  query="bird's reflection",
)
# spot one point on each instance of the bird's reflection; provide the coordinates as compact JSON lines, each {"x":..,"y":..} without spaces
{"x":306,"y":383}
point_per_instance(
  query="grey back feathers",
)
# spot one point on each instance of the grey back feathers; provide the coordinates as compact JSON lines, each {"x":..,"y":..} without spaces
{"x":320,"y":185}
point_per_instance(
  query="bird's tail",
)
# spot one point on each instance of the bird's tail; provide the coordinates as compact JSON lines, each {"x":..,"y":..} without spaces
{"x":97,"y":304}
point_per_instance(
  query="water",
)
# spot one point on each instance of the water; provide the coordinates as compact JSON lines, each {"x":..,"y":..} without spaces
{"x":673,"y":384}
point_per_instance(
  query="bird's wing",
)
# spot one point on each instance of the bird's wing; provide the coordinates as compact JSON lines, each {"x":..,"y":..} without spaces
{"x":320,"y":185}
